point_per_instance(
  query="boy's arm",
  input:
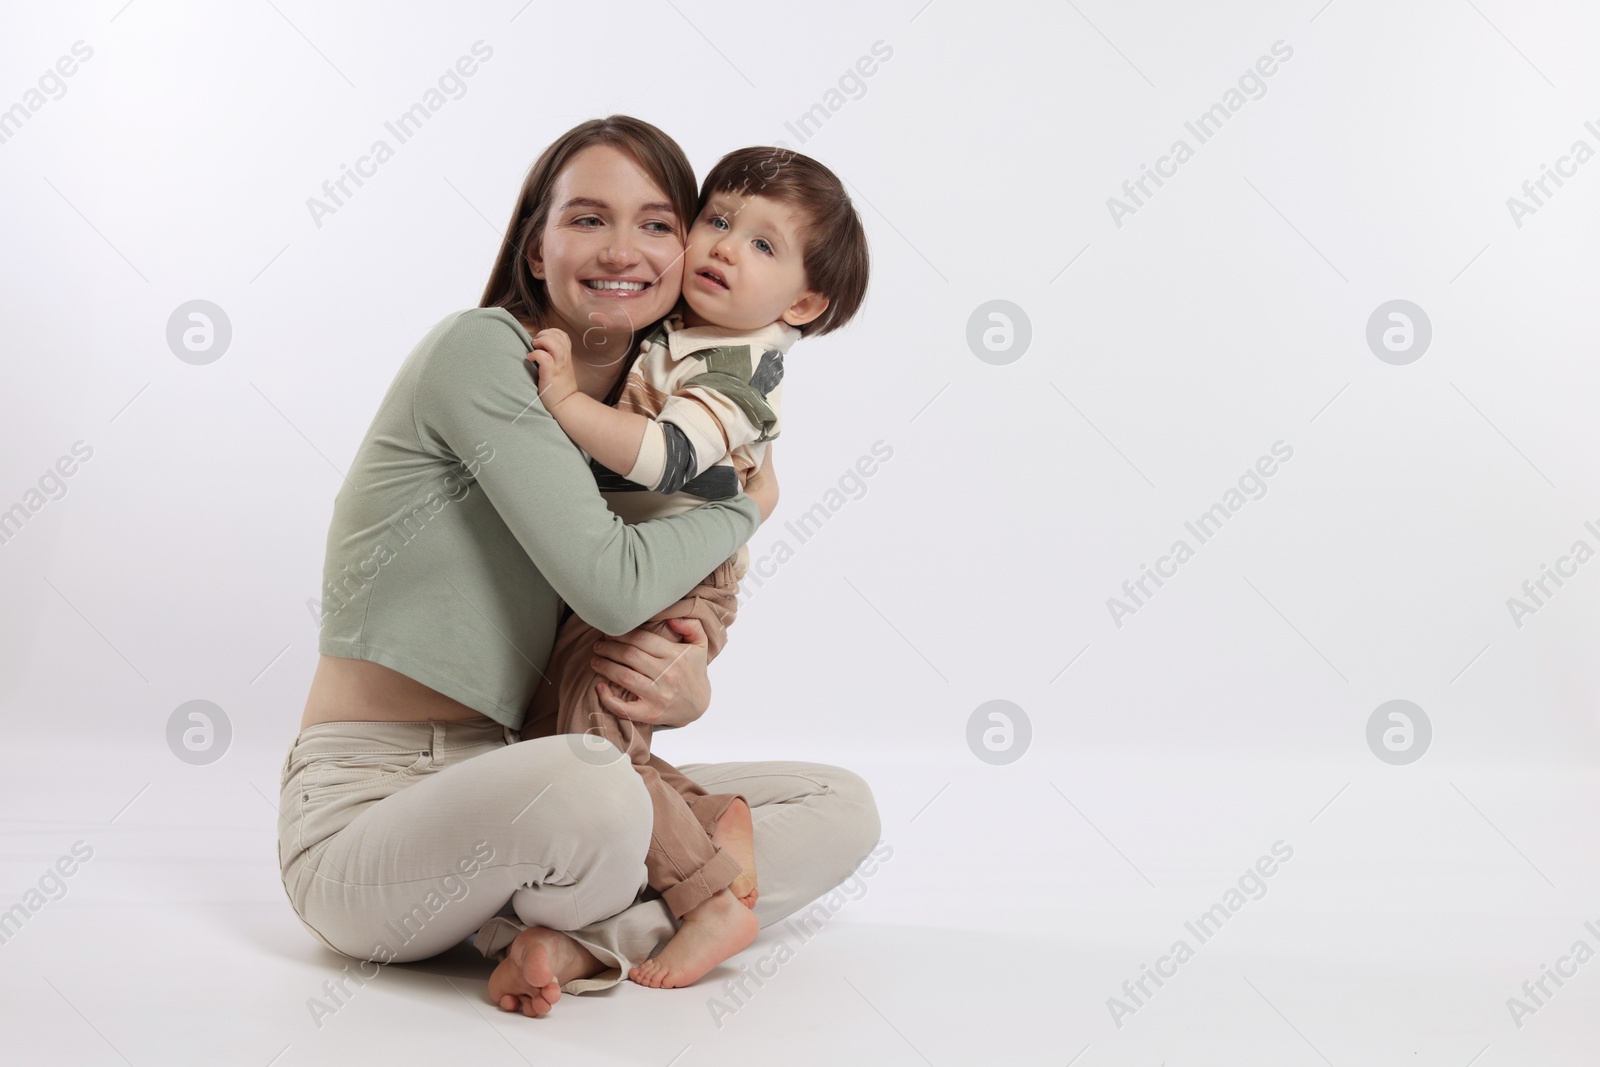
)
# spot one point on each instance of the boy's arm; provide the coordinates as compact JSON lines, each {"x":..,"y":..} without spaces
{"x":610,"y":436}
{"x":733,"y":401}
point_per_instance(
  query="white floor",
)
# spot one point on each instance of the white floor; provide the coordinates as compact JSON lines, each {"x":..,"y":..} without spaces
{"x":1017,"y":902}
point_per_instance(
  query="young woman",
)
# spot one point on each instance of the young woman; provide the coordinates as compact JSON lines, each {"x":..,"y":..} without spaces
{"x":410,"y":816}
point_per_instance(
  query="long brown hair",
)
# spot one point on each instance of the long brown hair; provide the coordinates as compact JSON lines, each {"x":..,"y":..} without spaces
{"x":511,"y":283}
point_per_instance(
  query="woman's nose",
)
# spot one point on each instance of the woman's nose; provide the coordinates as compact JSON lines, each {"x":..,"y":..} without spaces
{"x":619,"y":254}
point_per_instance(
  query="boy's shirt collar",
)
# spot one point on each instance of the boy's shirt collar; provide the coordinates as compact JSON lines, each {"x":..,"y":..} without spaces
{"x":684,"y":340}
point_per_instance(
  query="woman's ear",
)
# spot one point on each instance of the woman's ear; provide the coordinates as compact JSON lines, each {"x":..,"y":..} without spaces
{"x":808,"y":307}
{"x":536,"y":257}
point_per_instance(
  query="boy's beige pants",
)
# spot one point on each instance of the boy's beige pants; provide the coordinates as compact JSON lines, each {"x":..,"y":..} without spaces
{"x":398,"y":840}
{"x":682,"y":864}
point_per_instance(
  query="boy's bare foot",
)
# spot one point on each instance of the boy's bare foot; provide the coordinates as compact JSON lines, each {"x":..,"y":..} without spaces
{"x":538,"y":962}
{"x":709,"y":934}
{"x":736,"y":833}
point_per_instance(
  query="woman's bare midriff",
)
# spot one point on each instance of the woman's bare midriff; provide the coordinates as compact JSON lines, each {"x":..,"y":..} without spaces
{"x":356,"y":690}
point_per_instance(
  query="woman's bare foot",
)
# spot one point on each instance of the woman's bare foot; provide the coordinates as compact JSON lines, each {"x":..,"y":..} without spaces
{"x":537,"y":964}
{"x":709,"y":934}
{"x":737,"y":835}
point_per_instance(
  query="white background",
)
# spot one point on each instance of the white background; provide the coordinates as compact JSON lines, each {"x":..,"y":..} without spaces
{"x":1168,"y":353}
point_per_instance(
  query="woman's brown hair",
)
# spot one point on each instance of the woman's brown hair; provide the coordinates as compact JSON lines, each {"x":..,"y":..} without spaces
{"x":511,"y":283}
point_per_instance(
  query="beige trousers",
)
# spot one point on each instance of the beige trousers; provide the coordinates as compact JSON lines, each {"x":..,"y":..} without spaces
{"x":398,"y":840}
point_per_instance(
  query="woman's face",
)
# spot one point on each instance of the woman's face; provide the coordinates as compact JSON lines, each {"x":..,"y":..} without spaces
{"x":612,"y":250}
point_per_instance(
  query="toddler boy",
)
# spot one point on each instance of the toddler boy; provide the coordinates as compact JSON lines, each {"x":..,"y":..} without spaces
{"x":776,"y":252}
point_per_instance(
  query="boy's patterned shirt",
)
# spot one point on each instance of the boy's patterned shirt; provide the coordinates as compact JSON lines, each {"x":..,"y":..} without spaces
{"x":714,"y":397}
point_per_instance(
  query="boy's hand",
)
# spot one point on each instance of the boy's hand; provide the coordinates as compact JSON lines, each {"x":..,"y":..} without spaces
{"x":552,"y":351}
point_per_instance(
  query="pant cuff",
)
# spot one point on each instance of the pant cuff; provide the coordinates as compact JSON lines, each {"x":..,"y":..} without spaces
{"x":494,"y":941}
{"x":717,"y":874}
{"x":708,"y":809}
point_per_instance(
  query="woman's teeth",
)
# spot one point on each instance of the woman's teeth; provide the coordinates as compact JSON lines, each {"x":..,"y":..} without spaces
{"x":631,"y":286}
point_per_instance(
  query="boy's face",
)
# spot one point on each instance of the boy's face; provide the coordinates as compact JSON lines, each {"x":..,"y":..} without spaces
{"x":744,"y":266}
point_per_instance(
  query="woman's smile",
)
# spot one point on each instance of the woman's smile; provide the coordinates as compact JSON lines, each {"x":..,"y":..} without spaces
{"x":618,"y":288}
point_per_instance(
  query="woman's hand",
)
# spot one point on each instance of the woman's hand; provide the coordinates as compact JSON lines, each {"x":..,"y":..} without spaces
{"x":653,"y":679}
{"x":762,"y":486}
{"x":552,"y":351}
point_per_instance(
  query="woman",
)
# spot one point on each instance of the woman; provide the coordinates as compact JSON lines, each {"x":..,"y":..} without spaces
{"x":410,"y":818}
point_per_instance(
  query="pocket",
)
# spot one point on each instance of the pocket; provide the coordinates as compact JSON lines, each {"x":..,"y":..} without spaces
{"x":342,"y":772}
{"x":283,"y":772}
{"x":327,"y":790}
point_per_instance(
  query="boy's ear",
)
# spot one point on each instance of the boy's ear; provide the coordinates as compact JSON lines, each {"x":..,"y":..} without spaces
{"x":808,"y":307}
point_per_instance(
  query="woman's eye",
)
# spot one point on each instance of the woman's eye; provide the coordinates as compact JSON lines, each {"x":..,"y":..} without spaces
{"x":586,"y":219}
{"x":660,"y":227}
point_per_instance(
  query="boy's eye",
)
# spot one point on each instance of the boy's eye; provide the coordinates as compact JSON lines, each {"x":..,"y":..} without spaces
{"x":719,"y":222}
{"x":763,"y":246}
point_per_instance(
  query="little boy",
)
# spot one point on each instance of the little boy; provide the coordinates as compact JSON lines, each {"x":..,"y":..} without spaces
{"x":776,"y":252}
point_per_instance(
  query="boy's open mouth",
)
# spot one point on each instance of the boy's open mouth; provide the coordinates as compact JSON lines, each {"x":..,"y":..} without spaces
{"x":714,"y":275}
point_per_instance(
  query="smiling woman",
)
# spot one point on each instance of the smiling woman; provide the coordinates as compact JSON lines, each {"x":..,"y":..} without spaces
{"x":408,"y":748}
{"x":599,"y":267}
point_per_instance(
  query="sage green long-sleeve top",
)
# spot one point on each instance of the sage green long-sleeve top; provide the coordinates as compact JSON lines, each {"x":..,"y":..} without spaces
{"x":468,"y":515}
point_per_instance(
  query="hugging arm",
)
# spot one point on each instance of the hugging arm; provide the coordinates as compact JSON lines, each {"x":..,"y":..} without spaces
{"x":477,"y":390}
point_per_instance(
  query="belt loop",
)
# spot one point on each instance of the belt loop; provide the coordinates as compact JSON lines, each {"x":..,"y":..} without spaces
{"x":507,"y":731}
{"x":437,"y":749}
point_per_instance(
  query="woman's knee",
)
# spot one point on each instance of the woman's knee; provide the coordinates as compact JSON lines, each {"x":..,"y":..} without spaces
{"x":598,"y":791}
{"x":858,"y":821}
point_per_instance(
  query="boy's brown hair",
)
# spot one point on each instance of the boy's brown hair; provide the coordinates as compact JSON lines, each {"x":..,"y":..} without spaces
{"x":835,"y":257}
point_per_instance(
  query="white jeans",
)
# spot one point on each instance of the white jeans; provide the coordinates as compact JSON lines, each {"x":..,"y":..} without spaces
{"x":398,"y":840}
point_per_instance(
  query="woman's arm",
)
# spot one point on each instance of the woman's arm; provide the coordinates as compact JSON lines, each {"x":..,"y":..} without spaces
{"x":762,"y":486}
{"x":650,"y":679}
{"x":475,"y":386}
